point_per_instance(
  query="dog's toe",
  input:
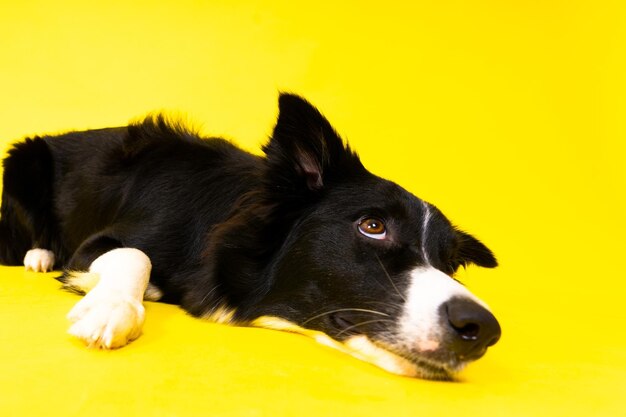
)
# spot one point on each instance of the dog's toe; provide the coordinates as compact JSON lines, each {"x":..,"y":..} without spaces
{"x":39,"y":260}
{"x":106,"y":319}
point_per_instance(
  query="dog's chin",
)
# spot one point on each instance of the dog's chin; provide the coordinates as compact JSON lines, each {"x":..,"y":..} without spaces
{"x":401,"y":363}
{"x":372,"y":351}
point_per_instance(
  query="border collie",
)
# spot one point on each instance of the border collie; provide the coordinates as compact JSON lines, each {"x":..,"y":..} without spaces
{"x":302,"y":239}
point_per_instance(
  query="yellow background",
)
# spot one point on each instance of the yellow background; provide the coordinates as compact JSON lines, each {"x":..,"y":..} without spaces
{"x":508,"y":115}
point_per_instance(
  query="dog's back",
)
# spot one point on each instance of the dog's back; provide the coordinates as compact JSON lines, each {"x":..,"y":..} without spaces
{"x":153,"y":185}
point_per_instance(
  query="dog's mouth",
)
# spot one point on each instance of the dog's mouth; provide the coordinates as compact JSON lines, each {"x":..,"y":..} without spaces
{"x":398,"y":362}
{"x":378,"y":353}
{"x":387,"y":354}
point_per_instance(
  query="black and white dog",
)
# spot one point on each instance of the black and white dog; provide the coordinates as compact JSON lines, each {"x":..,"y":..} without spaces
{"x":304,"y":234}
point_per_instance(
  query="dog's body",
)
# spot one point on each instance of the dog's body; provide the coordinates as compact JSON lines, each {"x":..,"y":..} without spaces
{"x":305,"y":234}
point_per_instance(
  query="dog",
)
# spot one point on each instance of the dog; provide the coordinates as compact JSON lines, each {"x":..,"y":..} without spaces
{"x":303,"y":238}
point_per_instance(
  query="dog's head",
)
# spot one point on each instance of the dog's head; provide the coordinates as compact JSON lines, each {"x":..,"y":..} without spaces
{"x":360,"y":258}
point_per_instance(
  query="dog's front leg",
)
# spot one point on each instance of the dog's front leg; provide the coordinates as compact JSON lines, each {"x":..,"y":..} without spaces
{"x":112,"y":313}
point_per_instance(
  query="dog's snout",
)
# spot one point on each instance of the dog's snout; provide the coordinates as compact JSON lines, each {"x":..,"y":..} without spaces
{"x":474,"y":328}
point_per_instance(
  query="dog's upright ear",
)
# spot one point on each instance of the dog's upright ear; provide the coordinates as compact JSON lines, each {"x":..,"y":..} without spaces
{"x":472,"y":250}
{"x":304,"y":156}
{"x":305,"y":152}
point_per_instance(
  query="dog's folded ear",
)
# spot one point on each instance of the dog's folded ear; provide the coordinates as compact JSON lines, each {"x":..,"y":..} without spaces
{"x":472,"y":250}
{"x":304,"y":149}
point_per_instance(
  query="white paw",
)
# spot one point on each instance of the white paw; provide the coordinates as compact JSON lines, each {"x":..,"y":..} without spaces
{"x":106,"y":319}
{"x":39,"y":260}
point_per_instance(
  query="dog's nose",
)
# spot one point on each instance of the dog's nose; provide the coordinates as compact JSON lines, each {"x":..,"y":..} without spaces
{"x":474,"y":328}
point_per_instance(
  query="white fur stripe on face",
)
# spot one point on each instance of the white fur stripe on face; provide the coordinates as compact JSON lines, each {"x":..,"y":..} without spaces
{"x":420,"y":323}
{"x":425,"y":223}
{"x":112,"y":314}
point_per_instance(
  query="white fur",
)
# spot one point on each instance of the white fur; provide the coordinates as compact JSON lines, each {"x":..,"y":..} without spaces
{"x":153,"y":293}
{"x":420,"y":324}
{"x":39,"y":260}
{"x":111,"y":314}
{"x":425,"y":231}
{"x":360,"y":347}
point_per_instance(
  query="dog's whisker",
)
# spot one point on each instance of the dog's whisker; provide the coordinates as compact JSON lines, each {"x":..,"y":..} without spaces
{"x":389,"y":277}
{"x":382,"y":285}
{"x":363,"y":323}
{"x":360,"y":310}
{"x":387,"y":305}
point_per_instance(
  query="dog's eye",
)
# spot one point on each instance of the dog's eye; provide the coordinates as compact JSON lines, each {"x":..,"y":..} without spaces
{"x":373,"y":228}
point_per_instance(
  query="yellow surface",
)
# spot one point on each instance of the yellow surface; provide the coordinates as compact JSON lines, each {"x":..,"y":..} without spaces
{"x":509,"y":115}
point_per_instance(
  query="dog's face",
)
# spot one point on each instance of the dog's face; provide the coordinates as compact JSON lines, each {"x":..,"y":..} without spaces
{"x":364,"y":260}
{"x":374,"y":261}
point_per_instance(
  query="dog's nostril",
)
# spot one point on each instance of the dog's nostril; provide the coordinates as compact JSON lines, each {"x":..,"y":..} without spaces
{"x":473,"y":326}
{"x":468,"y":332}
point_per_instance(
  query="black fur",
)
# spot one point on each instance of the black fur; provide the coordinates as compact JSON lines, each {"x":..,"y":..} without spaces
{"x":265,"y":235}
